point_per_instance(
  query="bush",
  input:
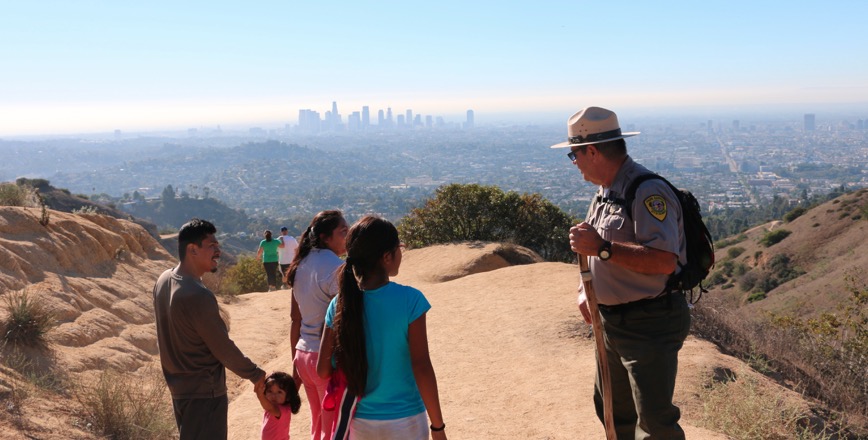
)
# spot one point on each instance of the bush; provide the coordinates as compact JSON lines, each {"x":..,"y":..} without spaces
{"x":28,"y":321}
{"x":471,"y":212}
{"x":756,"y":296}
{"x":780,"y":267}
{"x":247,"y":275}
{"x":794,"y":214}
{"x":774,"y":237}
{"x":747,"y":281}
{"x":121,"y":407}
{"x":14,"y":195}
{"x":716,"y":278}
{"x":734,"y":252}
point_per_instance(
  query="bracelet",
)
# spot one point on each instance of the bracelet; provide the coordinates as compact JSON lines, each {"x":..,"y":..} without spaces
{"x":438,"y":429}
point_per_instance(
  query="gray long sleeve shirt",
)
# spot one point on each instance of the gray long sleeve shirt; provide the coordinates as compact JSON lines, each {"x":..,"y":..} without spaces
{"x":193,"y":340}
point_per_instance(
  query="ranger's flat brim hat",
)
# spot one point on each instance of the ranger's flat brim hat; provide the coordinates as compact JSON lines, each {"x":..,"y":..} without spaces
{"x":592,"y":125}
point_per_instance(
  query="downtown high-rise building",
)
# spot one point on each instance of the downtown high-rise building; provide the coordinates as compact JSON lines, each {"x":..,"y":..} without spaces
{"x":469,"y":123}
{"x":810,"y":122}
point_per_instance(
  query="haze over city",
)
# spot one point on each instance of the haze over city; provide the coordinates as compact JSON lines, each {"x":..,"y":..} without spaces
{"x":99,"y":66}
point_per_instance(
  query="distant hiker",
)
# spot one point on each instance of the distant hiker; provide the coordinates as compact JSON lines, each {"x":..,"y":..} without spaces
{"x":268,"y":253}
{"x":312,"y":275}
{"x":286,"y":250}
{"x":279,"y":398}
{"x":376,"y":331}
{"x":193,"y":339}
{"x":644,"y":323}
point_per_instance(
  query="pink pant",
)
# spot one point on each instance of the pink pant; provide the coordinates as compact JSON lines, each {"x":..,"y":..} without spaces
{"x":315,"y":388}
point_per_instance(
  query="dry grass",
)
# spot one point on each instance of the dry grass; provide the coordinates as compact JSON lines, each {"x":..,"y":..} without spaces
{"x":128,"y":406}
{"x":795,"y":356}
{"x":741,"y":408}
{"x":28,"y":320}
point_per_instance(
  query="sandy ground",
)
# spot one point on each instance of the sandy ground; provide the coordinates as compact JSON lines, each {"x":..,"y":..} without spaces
{"x":512,"y":361}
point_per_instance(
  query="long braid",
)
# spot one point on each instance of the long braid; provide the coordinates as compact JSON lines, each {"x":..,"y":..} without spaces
{"x":367,"y":241}
{"x":350,"y":352}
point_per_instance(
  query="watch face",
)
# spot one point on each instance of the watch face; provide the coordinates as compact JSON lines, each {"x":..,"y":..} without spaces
{"x":605,"y":254}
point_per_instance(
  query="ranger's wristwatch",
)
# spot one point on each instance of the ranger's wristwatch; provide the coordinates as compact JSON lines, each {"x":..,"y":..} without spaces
{"x":605,"y":251}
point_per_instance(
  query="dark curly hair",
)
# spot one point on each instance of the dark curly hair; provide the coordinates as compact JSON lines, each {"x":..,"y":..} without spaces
{"x":284,"y":382}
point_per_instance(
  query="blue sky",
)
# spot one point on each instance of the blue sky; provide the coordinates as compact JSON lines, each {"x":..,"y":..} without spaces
{"x":102,"y":65}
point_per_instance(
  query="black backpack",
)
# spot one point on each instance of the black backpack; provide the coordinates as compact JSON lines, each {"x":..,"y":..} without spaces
{"x":700,"y":247}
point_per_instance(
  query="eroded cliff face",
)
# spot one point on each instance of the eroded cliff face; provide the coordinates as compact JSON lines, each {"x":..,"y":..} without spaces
{"x":96,"y":272}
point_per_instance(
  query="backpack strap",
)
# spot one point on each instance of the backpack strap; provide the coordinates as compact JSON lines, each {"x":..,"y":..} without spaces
{"x":630,"y":194}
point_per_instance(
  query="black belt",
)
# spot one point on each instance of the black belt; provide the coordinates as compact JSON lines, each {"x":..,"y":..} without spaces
{"x":621,"y":308}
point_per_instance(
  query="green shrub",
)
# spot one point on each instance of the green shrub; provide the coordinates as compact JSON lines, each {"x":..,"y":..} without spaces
{"x":247,"y":275}
{"x":470,"y":212}
{"x":734,"y":252}
{"x":794,"y":214}
{"x":28,"y":321}
{"x":774,"y":237}
{"x":780,"y":267}
{"x":127,"y":406}
{"x":756,"y":296}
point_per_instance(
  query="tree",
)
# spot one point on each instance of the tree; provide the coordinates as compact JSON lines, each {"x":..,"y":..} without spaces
{"x":168,"y":195}
{"x":462,"y":212}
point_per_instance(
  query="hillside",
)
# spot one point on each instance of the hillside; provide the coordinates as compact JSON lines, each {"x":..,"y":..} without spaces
{"x":505,"y":338}
{"x":821,"y":254}
{"x":62,"y":200}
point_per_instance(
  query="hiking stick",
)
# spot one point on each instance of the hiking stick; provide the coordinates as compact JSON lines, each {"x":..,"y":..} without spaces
{"x":603,"y":365}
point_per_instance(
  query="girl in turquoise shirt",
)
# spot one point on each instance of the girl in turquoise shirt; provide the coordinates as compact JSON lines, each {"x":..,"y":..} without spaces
{"x":376,"y":332}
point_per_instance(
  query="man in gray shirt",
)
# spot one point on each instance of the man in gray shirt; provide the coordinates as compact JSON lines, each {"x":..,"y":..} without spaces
{"x":632,"y":256}
{"x":194,"y":343}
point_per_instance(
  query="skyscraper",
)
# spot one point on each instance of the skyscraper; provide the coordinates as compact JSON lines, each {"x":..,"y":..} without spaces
{"x":308,"y":120}
{"x":469,"y":124}
{"x":809,"y":122}
{"x":366,"y":117}
{"x":354,"y":121}
{"x":381,"y":118}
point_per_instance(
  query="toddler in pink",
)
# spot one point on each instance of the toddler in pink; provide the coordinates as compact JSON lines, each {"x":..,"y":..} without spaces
{"x":279,"y":398}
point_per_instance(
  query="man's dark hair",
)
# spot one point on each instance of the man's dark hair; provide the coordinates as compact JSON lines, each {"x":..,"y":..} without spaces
{"x":194,"y":231}
{"x":610,"y":150}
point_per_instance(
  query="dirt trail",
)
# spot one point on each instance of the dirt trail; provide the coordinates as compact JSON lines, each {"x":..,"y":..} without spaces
{"x":506,"y":346}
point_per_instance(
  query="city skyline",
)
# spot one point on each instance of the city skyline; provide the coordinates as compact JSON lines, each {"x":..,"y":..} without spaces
{"x":310,"y":121}
{"x":97,"y":67}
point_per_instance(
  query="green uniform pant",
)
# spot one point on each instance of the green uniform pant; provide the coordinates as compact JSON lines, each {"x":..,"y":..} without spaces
{"x":642,"y":344}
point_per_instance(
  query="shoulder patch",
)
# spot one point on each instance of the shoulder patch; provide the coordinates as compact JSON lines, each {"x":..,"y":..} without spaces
{"x":656,"y":206}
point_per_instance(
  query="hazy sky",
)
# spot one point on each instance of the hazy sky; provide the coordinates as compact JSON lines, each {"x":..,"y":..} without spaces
{"x":73,"y":66}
